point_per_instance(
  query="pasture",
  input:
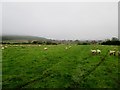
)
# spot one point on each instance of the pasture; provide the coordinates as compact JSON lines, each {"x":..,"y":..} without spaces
{"x":30,"y":66}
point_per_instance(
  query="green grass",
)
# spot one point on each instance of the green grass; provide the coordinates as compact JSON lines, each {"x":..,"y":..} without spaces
{"x":34,"y":67}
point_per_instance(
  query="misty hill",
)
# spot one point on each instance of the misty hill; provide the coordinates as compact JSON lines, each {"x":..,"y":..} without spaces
{"x":20,"y":37}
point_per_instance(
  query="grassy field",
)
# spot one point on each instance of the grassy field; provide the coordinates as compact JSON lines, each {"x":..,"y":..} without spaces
{"x":34,"y":67}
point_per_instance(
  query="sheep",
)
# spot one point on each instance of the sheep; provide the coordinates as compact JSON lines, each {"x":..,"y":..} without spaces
{"x":93,"y":51}
{"x":112,"y":52}
{"x":98,"y":51}
{"x":5,"y":46}
{"x":2,"y":48}
{"x":16,"y":45}
{"x":45,"y":48}
{"x":66,"y":47}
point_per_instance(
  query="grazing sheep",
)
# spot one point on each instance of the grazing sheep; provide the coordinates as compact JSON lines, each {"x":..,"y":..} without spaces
{"x":16,"y":45}
{"x":111,"y":52}
{"x":66,"y":47}
{"x":45,"y":48}
{"x":93,"y":51}
{"x":2,"y":48}
{"x":5,"y":46}
{"x":98,"y":51}
{"x":39,"y":45}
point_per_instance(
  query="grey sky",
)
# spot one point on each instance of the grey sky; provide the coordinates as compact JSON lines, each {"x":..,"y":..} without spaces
{"x":61,"y":20}
{"x":0,"y":19}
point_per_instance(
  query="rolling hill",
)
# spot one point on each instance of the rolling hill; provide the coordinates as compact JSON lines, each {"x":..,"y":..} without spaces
{"x":20,"y":37}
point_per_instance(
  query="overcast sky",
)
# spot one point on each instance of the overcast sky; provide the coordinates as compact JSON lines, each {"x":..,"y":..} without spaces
{"x":61,"y":20}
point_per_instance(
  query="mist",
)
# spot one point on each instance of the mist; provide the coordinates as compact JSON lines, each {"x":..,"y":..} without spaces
{"x":61,"y":20}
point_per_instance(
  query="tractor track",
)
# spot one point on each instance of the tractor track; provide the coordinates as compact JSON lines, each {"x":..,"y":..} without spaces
{"x":48,"y":73}
{"x":87,"y":73}
{"x":45,"y":74}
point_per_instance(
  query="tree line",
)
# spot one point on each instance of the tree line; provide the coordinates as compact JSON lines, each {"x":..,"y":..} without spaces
{"x":113,"y":41}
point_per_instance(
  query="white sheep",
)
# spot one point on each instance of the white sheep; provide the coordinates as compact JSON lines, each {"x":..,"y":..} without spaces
{"x":45,"y":48}
{"x":2,"y":48}
{"x":112,"y":52}
{"x":66,"y":47}
{"x":93,"y":51}
{"x":98,"y":51}
{"x":5,"y":46}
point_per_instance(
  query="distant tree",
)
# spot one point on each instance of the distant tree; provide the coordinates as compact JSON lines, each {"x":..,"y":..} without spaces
{"x":34,"y":42}
{"x":85,"y":43}
{"x":78,"y":43}
{"x":114,"y":39}
{"x":39,"y":42}
{"x":48,"y":43}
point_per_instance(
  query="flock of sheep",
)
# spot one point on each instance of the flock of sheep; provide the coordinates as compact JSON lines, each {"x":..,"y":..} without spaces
{"x":3,"y":47}
{"x":111,"y":52}
{"x":45,"y":48}
{"x":93,"y":51}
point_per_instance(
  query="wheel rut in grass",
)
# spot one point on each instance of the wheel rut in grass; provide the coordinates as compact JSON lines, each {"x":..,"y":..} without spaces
{"x":75,"y":84}
{"x":56,"y":62}
{"x":46,"y":73}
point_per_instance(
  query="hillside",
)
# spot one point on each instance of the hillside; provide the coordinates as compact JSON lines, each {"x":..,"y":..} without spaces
{"x":20,"y":37}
